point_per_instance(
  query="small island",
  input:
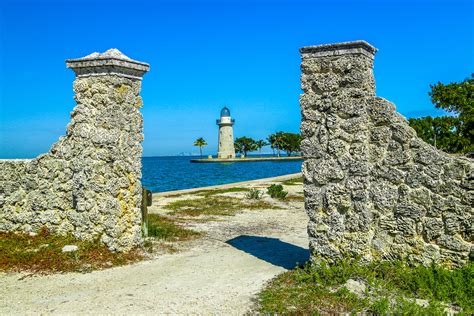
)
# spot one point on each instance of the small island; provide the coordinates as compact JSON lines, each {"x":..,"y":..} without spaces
{"x":227,"y":147}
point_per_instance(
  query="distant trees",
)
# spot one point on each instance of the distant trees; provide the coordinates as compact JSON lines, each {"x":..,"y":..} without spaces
{"x":245,"y":144}
{"x":200,"y":142}
{"x":260,"y":144}
{"x":276,"y":142}
{"x":452,"y":134}
{"x":288,"y":142}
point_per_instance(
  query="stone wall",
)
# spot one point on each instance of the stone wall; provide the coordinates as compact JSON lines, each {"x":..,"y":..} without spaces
{"x":373,"y":189}
{"x":88,"y":184}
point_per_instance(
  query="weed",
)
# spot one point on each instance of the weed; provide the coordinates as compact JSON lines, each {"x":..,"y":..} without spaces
{"x":276,"y":191}
{"x":208,"y":193}
{"x":394,"y":288}
{"x":294,"y":198}
{"x":295,"y":181}
{"x":43,"y":253}
{"x":165,"y":228}
{"x":214,"y":205}
{"x":254,"y":194}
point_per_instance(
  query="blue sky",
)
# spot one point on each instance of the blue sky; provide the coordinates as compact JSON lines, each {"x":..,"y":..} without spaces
{"x":207,"y":54}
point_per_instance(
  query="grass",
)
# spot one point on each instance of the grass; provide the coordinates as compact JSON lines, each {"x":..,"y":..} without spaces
{"x":276,"y":191}
{"x":392,"y":289}
{"x":214,"y":205}
{"x":43,"y":253}
{"x":254,"y":194}
{"x":294,"y":198}
{"x":295,"y":181}
{"x":208,"y":193}
{"x":165,"y":228}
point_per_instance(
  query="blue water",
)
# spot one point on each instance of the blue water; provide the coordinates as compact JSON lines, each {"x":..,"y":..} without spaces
{"x":160,"y":174}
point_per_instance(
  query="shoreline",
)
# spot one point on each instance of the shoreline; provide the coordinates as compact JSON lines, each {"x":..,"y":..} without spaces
{"x":228,"y":185}
{"x":246,"y":159}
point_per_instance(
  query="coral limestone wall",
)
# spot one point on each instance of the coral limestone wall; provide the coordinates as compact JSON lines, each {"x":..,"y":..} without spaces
{"x":373,"y":189}
{"x":88,"y":184}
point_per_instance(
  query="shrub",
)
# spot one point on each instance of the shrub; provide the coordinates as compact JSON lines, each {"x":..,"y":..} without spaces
{"x":276,"y":191}
{"x":254,"y":194}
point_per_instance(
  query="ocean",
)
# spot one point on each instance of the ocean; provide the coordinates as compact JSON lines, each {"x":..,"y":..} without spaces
{"x":161,"y":174}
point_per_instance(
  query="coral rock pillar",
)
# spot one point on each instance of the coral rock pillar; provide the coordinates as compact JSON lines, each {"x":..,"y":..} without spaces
{"x":106,"y":132}
{"x":373,"y":189}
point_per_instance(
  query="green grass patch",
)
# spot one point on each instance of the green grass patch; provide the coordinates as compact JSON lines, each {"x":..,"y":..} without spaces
{"x":43,"y":253}
{"x":166,"y":229}
{"x":207,"y":193}
{"x":392,"y":289}
{"x":215,"y":205}
{"x":295,"y":181}
{"x":294,"y":198}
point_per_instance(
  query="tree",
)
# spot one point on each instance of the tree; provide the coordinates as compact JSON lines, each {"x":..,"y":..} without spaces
{"x":276,"y":142}
{"x":261,"y":143}
{"x":200,"y":142}
{"x":244,"y":145}
{"x":291,"y":143}
{"x":458,"y":99}
{"x":449,"y":133}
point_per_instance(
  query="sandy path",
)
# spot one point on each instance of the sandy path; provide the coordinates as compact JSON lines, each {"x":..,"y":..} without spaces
{"x":220,"y":273}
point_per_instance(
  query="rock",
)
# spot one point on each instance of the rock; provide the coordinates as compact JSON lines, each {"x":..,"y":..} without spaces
{"x":356,"y":287}
{"x":70,"y":248}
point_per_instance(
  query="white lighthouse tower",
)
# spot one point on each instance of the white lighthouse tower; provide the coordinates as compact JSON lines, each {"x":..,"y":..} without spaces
{"x":226,"y":135}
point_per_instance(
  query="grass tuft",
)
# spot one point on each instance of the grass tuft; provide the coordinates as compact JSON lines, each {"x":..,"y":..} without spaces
{"x":165,"y":228}
{"x":215,"y":205}
{"x":393,"y":288}
{"x":295,"y":181}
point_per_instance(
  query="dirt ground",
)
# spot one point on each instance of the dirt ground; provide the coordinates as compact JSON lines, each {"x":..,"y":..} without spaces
{"x":219,"y":273}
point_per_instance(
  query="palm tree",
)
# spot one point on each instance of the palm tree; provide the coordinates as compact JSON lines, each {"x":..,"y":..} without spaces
{"x":200,"y":142}
{"x":276,"y":142}
{"x":261,"y":143}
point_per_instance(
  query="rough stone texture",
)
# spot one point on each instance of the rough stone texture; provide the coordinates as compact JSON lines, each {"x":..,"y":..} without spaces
{"x":373,"y":189}
{"x":88,"y":184}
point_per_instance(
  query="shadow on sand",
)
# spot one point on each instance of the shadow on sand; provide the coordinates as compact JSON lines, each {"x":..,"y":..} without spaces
{"x":271,"y":250}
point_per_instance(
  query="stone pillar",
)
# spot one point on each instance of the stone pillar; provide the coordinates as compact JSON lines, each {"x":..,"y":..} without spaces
{"x":373,"y":189}
{"x":105,"y":135}
{"x":88,"y":184}
{"x":336,"y":79}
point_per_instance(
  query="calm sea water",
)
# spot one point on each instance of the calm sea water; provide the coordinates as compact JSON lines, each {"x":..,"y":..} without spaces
{"x":160,"y":174}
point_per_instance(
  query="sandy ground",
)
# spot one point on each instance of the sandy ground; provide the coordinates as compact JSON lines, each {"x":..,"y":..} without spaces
{"x":218,"y":274}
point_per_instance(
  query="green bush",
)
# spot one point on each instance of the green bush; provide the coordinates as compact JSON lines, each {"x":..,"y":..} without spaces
{"x":276,"y":191}
{"x":254,"y":194}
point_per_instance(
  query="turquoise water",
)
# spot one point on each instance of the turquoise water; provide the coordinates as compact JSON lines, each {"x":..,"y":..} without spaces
{"x":160,"y":174}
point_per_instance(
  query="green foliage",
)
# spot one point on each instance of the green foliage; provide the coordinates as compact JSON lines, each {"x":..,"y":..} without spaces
{"x":244,"y":145}
{"x":276,"y":142}
{"x":289,"y":142}
{"x":201,"y":143}
{"x":450,"y":133}
{"x":254,"y":194}
{"x":260,"y":144}
{"x":276,"y":191}
{"x":164,"y":228}
{"x":392,"y":289}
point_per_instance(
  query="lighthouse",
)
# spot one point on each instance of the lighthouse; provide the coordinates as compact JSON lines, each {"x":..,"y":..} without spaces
{"x":226,"y":135}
